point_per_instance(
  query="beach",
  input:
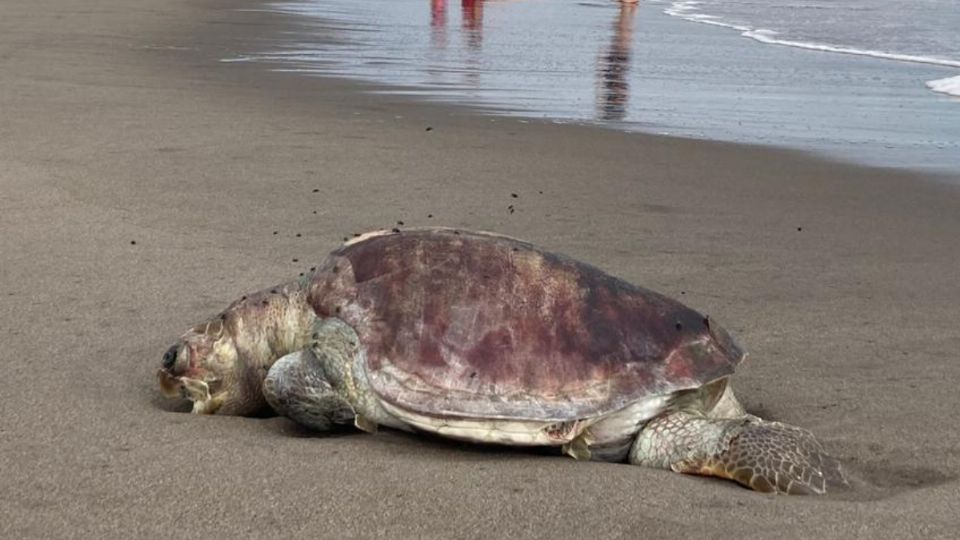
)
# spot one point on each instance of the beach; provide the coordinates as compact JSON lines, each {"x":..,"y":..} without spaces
{"x":636,"y":67}
{"x":145,"y":184}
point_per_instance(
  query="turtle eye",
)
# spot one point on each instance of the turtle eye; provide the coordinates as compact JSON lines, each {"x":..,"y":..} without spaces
{"x":170,"y":358}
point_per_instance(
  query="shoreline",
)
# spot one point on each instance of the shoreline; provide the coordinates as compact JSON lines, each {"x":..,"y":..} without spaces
{"x":861,"y":110}
{"x":142,"y":183}
{"x":687,"y":11}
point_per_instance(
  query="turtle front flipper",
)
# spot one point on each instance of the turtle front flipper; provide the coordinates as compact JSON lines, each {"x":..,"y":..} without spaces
{"x":296,"y":388}
{"x":764,"y":456}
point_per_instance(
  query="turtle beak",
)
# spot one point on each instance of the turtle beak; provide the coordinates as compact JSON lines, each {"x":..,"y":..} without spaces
{"x":724,"y":341}
{"x":169,"y":385}
{"x":195,"y":390}
{"x":193,"y":369}
{"x":184,"y":387}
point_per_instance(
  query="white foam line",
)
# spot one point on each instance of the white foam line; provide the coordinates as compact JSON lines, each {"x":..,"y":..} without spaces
{"x":950,"y":85}
{"x":683,"y":11}
{"x":766,"y":36}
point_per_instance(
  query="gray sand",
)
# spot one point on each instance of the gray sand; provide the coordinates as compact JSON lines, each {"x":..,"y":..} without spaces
{"x":118,"y":126}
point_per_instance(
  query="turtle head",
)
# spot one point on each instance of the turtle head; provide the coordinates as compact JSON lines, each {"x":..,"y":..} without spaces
{"x":220,"y":364}
{"x":202,"y":367}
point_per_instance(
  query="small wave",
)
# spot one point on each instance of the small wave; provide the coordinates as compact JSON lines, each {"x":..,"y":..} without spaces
{"x":950,"y":85}
{"x":768,"y":36}
{"x":685,"y":10}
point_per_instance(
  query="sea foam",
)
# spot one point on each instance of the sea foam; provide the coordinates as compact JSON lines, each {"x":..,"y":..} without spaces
{"x":950,"y":85}
{"x":686,"y":10}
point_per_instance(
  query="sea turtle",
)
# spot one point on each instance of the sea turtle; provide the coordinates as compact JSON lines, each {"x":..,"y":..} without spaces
{"x":489,"y":339}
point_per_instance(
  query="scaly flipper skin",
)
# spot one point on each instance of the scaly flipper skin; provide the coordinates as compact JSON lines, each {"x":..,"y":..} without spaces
{"x":764,"y":456}
{"x":337,"y":346}
{"x":296,"y":388}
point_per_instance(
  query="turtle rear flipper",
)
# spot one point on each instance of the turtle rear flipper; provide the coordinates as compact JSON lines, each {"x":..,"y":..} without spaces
{"x":764,"y":456}
{"x":296,"y":388}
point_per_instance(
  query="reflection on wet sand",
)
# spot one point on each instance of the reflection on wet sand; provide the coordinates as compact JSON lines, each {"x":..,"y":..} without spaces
{"x":472,"y":11}
{"x":471,"y":28}
{"x":613,"y":66}
{"x":438,"y":24}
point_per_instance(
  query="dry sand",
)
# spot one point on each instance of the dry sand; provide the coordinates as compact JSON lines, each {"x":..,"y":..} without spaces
{"x":117,"y":125}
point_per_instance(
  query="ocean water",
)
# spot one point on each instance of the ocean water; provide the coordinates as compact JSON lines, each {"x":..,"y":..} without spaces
{"x":924,"y":31}
{"x":867,"y":80}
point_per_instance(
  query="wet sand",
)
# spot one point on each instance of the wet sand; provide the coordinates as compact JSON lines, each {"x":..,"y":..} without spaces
{"x":141,"y":182}
{"x":631,"y":67}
